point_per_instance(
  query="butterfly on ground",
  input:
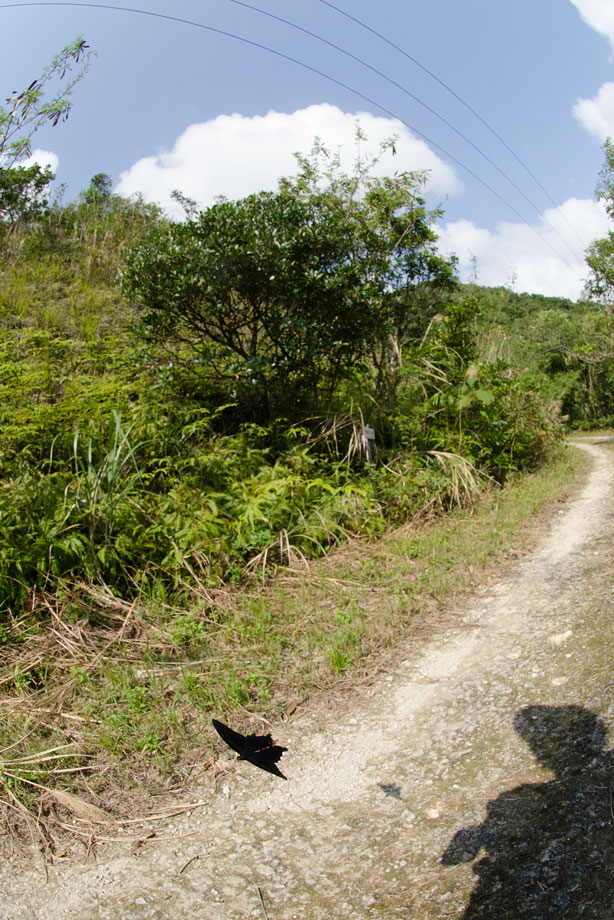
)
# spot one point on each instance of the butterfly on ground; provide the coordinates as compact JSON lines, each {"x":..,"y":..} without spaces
{"x":260,"y":750}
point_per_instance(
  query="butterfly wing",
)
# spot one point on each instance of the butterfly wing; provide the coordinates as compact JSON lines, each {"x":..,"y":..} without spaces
{"x":255,"y":743}
{"x":233,"y":739}
{"x":267,"y":759}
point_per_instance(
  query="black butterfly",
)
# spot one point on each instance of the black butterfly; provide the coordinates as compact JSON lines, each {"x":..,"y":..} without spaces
{"x":260,"y":750}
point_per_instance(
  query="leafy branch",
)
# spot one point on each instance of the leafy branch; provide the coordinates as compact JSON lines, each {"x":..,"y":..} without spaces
{"x":31,"y":108}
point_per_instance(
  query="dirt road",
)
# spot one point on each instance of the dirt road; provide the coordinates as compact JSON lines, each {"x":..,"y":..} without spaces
{"x":474,"y":782}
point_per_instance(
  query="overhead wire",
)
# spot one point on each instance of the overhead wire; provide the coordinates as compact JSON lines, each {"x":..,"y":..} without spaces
{"x":463,"y":102}
{"x":421,"y":102}
{"x":303,"y":64}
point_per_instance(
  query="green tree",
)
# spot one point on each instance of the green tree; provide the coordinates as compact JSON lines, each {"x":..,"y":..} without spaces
{"x":284,"y":294}
{"x":395,"y":239}
{"x":22,"y":193}
{"x":99,"y":192}
{"x":264,"y":290}
{"x":600,"y":254}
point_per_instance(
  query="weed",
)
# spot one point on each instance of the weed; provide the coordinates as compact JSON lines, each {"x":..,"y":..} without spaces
{"x":188,"y":630}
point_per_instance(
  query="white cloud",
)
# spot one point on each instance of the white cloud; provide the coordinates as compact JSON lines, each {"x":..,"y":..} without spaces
{"x":235,"y":155}
{"x":597,"y":114}
{"x":598,"y":14}
{"x":43,"y":158}
{"x":513,"y":251}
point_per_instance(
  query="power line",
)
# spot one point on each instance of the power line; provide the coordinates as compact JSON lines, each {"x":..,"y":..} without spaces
{"x":411,"y":95}
{"x":462,"y":101}
{"x":281,"y":54}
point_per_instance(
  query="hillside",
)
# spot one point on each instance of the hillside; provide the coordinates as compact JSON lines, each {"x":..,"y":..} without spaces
{"x":190,"y":411}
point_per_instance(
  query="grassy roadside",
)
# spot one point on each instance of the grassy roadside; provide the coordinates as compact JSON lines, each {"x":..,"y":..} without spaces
{"x":307,"y":629}
{"x":108,"y":697}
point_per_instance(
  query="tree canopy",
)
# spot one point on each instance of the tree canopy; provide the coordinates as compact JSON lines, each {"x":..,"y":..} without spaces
{"x":22,"y":193}
{"x":284,"y":293}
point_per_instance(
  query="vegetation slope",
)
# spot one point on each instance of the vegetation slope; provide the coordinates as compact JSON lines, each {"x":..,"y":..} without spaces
{"x":188,"y":407}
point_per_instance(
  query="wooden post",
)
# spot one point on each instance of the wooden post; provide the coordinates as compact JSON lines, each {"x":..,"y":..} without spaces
{"x":369,"y":436}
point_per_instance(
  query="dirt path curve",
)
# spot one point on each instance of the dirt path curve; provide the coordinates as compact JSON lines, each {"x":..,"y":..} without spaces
{"x":388,"y":808}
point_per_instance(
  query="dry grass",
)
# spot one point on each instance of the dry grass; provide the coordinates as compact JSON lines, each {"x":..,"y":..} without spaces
{"x":345,"y":435}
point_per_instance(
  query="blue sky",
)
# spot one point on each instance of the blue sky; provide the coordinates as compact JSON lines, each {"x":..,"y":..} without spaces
{"x":168,"y":105}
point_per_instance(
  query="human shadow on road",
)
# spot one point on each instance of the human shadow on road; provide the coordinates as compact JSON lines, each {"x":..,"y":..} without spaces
{"x":550,"y":845}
